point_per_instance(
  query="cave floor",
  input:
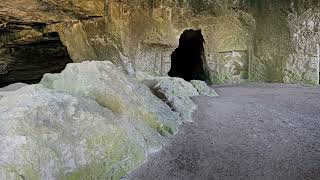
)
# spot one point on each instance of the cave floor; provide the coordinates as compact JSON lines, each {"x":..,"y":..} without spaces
{"x":257,"y":131}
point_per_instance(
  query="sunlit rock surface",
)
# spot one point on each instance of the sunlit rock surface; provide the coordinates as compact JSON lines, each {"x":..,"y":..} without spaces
{"x":91,"y":121}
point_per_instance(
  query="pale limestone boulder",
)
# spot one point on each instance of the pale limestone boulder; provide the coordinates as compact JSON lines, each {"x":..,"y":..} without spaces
{"x":203,"y":89}
{"x":12,"y":87}
{"x":177,"y":92}
{"x":50,"y":135}
{"x":172,"y":86}
{"x":91,"y":121}
{"x":183,"y":105}
{"x":111,"y":88}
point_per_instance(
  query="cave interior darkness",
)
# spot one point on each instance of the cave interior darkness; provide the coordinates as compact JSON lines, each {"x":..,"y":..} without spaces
{"x":29,"y":60}
{"x":187,"y":61}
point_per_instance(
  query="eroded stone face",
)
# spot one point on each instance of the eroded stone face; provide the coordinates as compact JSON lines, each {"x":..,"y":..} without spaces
{"x":26,"y":49}
{"x":29,"y":59}
{"x":90,"y":121}
{"x":303,"y":63}
{"x":262,"y":34}
{"x":245,"y":40}
{"x":51,"y":135}
{"x":26,"y":12}
{"x":149,"y":34}
{"x":203,"y":89}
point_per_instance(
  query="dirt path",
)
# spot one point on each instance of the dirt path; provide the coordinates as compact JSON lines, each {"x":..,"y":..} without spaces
{"x":249,"y":132}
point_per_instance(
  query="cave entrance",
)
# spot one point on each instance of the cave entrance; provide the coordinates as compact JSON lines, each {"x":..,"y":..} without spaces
{"x":187,"y":61}
{"x":29,"y":59}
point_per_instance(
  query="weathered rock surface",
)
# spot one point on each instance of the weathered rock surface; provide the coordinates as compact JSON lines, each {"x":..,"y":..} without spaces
{"x":175,"y":87}
{"x":51,"y":135}
{"x":27,"y":60}
{"x":177,"y":92}
{"x":265,"y":40}
{"x":149,"y":32}
{"x":303,"y":62}
{"x":27,"y":49}
{"x":12,"y":87}
{"x":284,"y":42}
{"x":91,"y":121}
{"x":203,"y":89}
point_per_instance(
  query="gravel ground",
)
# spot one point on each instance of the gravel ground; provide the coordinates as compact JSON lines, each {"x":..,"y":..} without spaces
{"x":257,"y":131}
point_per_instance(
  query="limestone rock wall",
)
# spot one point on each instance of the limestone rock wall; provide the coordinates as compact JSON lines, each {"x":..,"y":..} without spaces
{"x":149,"y":33}
{"x":303,"y":63}
{"x":286,"y":42}
{"x":27,"y":50}
{"x":87,"y":39}
{"x":262,"y":40}
{"x":271,"y":41}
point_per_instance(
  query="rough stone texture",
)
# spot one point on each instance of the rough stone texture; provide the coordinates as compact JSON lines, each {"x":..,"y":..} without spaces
{"x":50,"y":135}
{"x":27,"y":60}
{"x":271,"y":41}
{"x":203,"y":89}
{"x":25,"y":12}
{"x":149,"y":32}
{"x":89,"y":39}
{"x":111,"y":88}
{"x":12,"y":87}
{"x":286,"y":42}
{"x":24,"y":35}
{"x":252,"y":40}
{"x":303,"y":63}
{"x":91,"y":121}
{"x":144,"y":32}
{"x":177,"y":92}
{"x":245,"y":40}
{"x":176,"y":87}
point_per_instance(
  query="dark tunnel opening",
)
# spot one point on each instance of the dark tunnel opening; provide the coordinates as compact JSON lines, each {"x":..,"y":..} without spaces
{"x":28,"y":60}
{"x":187,"y":61}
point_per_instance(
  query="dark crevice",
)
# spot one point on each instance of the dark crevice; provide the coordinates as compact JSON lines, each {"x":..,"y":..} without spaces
{"x":27,"y":61}
{"x":187,"y":61}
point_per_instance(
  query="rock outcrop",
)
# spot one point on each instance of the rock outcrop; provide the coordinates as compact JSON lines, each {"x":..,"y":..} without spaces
{"x":203,"y":89}
{"x":264,"y":40}
{"x":27,"y":49}
{"x":90,"y":121}
{"x":304,"y":61}
{"x":176,"y":92}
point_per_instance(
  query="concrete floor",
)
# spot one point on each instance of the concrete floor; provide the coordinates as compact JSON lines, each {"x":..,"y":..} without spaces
{"x":261,"y":131}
